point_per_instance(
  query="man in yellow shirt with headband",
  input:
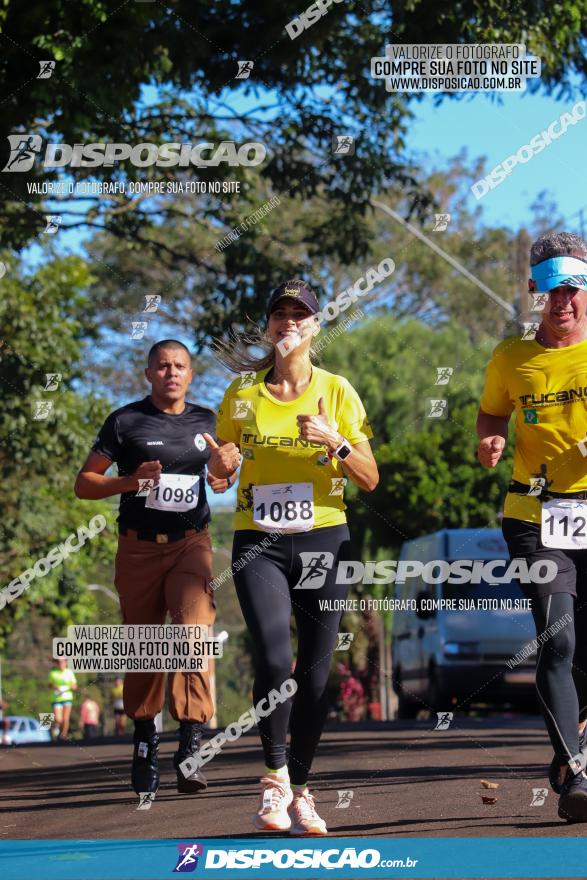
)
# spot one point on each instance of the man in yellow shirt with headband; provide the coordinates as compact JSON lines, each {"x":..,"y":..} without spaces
{"x":544,"y":382}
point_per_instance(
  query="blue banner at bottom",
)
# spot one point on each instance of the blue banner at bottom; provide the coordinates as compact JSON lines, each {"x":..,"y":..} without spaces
{"x":286,"y":858}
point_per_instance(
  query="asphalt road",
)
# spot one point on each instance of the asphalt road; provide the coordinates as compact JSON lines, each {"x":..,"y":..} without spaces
{"x":406,"y":780}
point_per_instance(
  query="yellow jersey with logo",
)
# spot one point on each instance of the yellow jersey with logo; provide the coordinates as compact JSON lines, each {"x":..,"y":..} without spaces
{"x":266,"y":430}
{"x":547,"y":389}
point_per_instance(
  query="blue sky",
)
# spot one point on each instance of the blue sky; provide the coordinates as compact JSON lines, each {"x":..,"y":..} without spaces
{"x":487,"y":129}
{"x":484,"y":127}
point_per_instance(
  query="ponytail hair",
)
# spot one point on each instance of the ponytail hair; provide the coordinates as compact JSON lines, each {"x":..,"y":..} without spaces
{"x":234,"y":353}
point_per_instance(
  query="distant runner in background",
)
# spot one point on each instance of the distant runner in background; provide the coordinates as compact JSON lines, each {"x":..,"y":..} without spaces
{"x":118,"y":706}
{"x":62,"y":682}
{"x":5,"y":724}
{"x":89,"y":717}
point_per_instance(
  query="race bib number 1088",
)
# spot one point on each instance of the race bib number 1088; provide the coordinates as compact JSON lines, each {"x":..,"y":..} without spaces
{"x":287,"y":507}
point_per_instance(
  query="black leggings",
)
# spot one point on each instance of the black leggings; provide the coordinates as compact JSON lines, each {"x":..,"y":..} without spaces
{"x":266,"y":588}
{"x":561,"y":664}
{"x":561,"y":670}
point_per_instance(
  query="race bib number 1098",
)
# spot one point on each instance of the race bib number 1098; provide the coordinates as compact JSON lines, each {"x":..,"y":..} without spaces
{"x":175,"y":493}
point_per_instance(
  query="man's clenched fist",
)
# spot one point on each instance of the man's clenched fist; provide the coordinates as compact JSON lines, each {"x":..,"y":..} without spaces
{"x":490,"y":450}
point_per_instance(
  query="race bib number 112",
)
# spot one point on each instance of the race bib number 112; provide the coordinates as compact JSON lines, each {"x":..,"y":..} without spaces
{"x":564,"y":524}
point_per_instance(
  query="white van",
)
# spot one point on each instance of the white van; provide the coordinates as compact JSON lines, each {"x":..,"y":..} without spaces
{"x":444,"y":659}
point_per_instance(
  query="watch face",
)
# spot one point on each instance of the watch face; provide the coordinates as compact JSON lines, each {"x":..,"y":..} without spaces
{"x":344,"y":452}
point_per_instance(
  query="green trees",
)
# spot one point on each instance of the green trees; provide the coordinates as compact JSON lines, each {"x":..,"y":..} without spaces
{"x":150,"y":73}
{"x":430,"y":478}
{"x":45,"y":436}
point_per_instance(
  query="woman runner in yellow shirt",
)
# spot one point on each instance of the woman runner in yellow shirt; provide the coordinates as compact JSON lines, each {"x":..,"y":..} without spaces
{"x":301,"y":431}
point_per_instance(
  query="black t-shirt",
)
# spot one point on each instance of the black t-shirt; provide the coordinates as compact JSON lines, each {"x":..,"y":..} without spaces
{"x":140,"y":432}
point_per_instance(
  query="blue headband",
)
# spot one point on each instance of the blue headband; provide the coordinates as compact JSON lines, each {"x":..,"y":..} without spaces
{"x":560,"y":270}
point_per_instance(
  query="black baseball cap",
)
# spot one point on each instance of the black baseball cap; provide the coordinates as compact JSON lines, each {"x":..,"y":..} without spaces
{"x":294,"y":289}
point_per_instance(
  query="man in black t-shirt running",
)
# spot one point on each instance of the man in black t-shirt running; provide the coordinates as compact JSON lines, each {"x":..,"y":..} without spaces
{"x":164,"y":557}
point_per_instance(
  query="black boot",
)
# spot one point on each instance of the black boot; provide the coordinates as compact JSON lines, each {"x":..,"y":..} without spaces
{"x":190,"y":779}
{"x":145,"y":763}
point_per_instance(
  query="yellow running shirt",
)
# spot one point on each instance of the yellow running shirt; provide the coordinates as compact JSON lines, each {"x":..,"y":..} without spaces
{"x":61,"y":680}
{"x":547,"y":387}
{"x":116,"y":694}
{"x":273,"y":453}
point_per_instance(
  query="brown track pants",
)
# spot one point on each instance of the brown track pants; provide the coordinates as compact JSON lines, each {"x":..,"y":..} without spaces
{"x":153,"y":579}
